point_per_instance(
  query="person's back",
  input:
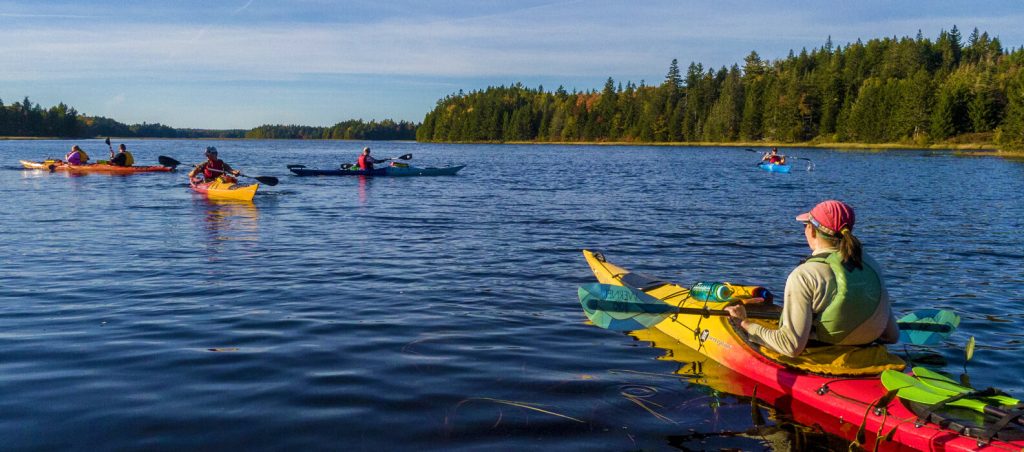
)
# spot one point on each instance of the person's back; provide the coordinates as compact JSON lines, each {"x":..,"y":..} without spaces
{"x":835,"y":297}
{"x":123,"y":157}
{"x":365,"y":162}
{"x":77,"y":156}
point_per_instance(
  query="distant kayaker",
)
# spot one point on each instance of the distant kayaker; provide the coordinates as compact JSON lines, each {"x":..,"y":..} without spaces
{"x":774,"y":157}
{"x":213,"y":168}
{"x":366,"y":162}
{"x":122,"y":157}
{"x":77,"y":156}
{"x":820,"y":308}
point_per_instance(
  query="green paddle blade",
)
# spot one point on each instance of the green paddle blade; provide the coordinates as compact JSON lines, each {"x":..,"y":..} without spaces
{"x":621,"y":308}
{"x":914,"y":390}
{"x":942,"y":383}
{"x":928,"y":326}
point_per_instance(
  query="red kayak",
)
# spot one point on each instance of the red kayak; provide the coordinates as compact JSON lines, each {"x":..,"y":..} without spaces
{"x":842,"y":406}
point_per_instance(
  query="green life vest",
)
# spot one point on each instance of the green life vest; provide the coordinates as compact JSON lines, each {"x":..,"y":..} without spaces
{"x":858,"y":294}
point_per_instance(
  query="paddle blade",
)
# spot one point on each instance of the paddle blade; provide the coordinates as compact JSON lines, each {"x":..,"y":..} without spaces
{"x":619,"y":308}
{"x":969,"y":351}
{"x":107,"y":141}
{"x":405,"y":157}
{"x":268,"y":180}
{"x":167,"y":161}
{"x":346,"y":166}
{"x":928,"y":326}
{"x":296,"y":166}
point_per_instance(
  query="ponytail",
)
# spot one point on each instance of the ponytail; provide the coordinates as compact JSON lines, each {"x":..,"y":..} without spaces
{"x":850,"y":249}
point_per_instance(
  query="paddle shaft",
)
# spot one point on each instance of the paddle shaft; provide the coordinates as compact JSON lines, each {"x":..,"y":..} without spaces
{"x":667,"y":309}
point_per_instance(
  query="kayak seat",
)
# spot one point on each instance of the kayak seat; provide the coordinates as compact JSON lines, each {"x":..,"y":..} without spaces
{"x":841,"y":360}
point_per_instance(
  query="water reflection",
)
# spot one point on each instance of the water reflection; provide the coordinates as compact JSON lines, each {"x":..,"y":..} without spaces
{"x":721,"y":382}
{"x":228,"y":221}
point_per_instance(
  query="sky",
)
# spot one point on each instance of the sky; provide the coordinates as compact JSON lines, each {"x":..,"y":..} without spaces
{"x":242,"y":63}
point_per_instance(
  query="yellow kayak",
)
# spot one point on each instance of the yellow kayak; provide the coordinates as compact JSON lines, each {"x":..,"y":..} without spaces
{"x":220,"y":189}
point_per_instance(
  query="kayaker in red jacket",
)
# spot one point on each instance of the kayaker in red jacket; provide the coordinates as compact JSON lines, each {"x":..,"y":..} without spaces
{"x":774,"y":157}
{"x":819,"y":308}
{"x":212,"y":168}
{"x":366,"y":162}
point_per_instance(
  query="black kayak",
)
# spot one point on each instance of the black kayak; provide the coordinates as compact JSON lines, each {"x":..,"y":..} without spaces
{"x":395,"y":171}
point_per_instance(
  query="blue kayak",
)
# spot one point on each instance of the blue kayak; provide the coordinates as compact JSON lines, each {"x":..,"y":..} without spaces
{"x":394,"y":171}
{"x":774,"y":167}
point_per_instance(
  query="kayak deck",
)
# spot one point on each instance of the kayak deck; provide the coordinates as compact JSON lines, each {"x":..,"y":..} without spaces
{"x":57,"y":165}
{"x":218,"y":189}
{"x":836,"y":404}
{"x":392,"y":171}
{"x":775,"y":167}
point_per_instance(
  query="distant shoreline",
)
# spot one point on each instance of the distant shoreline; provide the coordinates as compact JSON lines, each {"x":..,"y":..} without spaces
{"x":960,"y":148}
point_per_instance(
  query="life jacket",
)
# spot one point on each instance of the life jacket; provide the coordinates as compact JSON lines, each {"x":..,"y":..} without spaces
{"x":858,"y":294}
{"x":365,"y":163}
{"x":775,"y":159}
{"x":123,"y":159}
{"x":208,"y":172}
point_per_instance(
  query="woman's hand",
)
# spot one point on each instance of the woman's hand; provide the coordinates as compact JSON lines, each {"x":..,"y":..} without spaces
{"x":738,"y":314}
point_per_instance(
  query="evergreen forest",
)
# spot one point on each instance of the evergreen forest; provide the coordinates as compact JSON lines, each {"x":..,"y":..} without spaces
{"x":890,"y":90}
{"x":346,"y":130}
{"x":27,"y":119}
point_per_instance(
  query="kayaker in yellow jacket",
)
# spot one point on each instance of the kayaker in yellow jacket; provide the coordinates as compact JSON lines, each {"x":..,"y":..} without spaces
{"x":77,"y":156}
{"x":122,"y":157}
{"x":835,"y":297}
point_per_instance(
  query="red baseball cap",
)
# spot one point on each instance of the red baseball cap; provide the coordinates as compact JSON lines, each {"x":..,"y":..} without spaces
{"x":829,"y":217}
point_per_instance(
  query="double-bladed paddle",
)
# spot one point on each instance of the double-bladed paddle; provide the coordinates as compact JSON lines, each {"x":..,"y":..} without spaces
{"x":622,"y":308}
{"x":269,"y":180}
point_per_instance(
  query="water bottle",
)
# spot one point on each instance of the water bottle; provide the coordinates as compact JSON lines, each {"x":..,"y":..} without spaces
{"x":710,"y":291}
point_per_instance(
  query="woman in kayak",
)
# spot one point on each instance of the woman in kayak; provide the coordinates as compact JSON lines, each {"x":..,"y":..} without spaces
{"x":77,"y":156}
{"x":366,"y":162}
{"x":123,"y":157}
{"x":213,"y":168}
{"x":774,"y":157}
{"x":835,"y":297}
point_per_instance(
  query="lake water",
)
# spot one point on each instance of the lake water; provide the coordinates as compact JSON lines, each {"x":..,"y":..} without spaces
{"x":441,"y":313}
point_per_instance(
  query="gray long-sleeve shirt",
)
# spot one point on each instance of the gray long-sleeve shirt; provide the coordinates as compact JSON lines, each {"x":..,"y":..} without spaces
{"x":809,"y":289}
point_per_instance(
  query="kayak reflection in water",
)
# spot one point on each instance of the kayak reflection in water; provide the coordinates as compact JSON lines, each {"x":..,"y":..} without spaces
{"x":213,"y":168}
{"x":366,"y":162}
{"x":77,"y":156}
{"x":123,"y":157}
{"x":774,"y":157}
{"x":821,"y":308}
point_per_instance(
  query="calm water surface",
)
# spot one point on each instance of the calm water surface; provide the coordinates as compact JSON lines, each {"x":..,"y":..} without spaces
{"x":440,"y":313}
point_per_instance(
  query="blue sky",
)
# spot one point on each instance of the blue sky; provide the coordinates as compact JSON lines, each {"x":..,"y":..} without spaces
{"x":242,"y":63}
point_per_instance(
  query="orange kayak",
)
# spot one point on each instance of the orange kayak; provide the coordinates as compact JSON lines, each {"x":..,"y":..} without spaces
{"x":57,"y":165}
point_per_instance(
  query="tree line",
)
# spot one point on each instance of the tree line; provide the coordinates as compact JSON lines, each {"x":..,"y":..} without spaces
{"x":28,"y":119}
{"x":355,"y":129}
{"x":903,"y":90}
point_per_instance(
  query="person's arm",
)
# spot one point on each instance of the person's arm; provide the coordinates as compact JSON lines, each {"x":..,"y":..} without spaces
{"x":196,"y":170}
{"x":891,"y":335}
{"x":794,"y":330}
{"x":229,"y":170}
